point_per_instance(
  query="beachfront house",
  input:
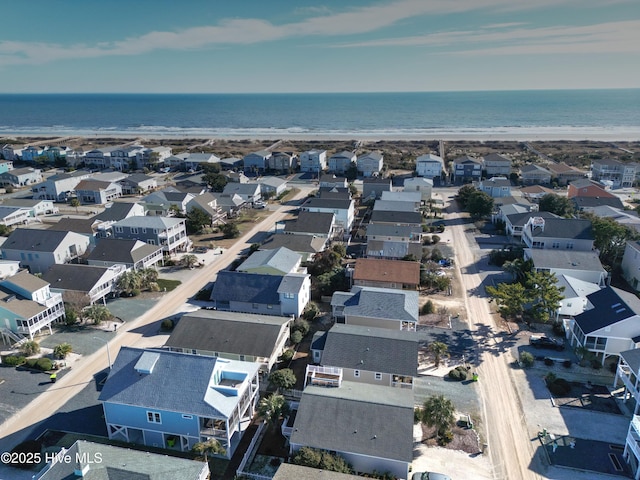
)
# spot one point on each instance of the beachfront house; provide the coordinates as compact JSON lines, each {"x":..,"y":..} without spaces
{"x":27,"y":306}
{"x":224,"y":334}
{"x":174,"y":400}
{"x":256,"y":162}
{"x":563,"y":174}
{"x":313,"y":161}
{"x":466,"y":169}
{"x":619,"y":174}
{"x":376,"y":307}
{"x":496,"y":165}
{"x":535,"y":175}
{"x":282,"y":162}
{"x":341,"y":162}
{"x":429,"y":166}
{"x":370,"y":164}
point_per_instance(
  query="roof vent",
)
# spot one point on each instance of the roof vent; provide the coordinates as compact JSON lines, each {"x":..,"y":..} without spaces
{"x":616,"y":305}
{"x":620,"y":310}
{"x":146,"y":362}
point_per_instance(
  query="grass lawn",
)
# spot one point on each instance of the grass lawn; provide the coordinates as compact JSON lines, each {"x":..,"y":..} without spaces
{"x":167,"y":285}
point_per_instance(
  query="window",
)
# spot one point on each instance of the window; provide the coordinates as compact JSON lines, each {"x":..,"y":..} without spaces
{"x":570,"y":246}
{"x":378,"y":376}
{"x":242,"y":358}
{"x":134,"y":230}
{"x":151,"y":242}
{"x":289,"y":295}
{"x":119,"y":230}
{"x":144,"y":230}
{"x":187,"y":417}
{"x":356,"y":373}
{"x":153,"y":417}
{"x":254,"y":305}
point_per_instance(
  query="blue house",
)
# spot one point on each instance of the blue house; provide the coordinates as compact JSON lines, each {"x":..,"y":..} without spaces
{"x":174,"y":400}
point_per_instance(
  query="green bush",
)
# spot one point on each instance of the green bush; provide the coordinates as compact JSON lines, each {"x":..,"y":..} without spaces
{"x":595,"y":364}
{"x":13,"y":360}
{"x":31,"y":362}
{"x":435,"y":239}
{"x":459,"y":373}
{"x":301,"y":325}
{"x":548,"y":361}
{"x":44,"y":364}
{"x":526,"y":359}
{"x":30,"y":347}
{"x":167,"y":324}
{"x":559,"y":387}
{"x":428,"y":308}
{"x":296,"y":337}
{"x":61,"y":351}
{"x":287,"y":355}
{"x":445,"y":438}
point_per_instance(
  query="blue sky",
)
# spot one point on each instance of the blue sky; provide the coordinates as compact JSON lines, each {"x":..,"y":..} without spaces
{"x":215,"y":46}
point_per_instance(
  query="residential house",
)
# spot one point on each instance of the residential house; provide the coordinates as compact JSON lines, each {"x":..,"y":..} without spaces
{"x":90,"y":460}
{"x":262,"y":294}
{"x":396,"y":218}
{"x":315,"y":224}
{"x":496,"y":165}
{"x":272,"y":186}
{"x":257,"y":162}
{"x":196,"y":161}
{"x":290,"y":471}
{"x":611,"y":325}
{"x":510,"y":209}
{"x":236,"y":177}
{"x":495,"y":187}
{"x":334,"y":193}
{"x":584,"y":266}
{"x":230,"y":163}
{"x":249,"y":192}
{"x":21,"y":177}
{"x":57,"y":153}
{"x":621,"y":175}
{"x":208,"y":203}
{"x":133,"y":254}
{"x":466,"y":169}
{"x":115,"y":212}
{"x":628,"y":372}
{"x":563,"y":174}
{"x":586,"y":195}
{"x":169,"y":232}
{"x":370,"y":164}
{"x":343,"y":210}
{"x":384,"y":273}
{"x":307,"y":246}
{"x":515,"y":222}
{"x":631,"y":263}
{"x":534,"y":193}
{"x":394,"y":206}
{"x":354,"y":421}
{"x":31,"y":154}
{"x":558,"y":233}
{"x":82,"y":226}
{"x":193,"y":183}
{"x":574,"y":293}
{"x":27,"y":306}
{"x":5,"y":165}
{"x":36,"y":208}
{"x":386,"y":240}
{"x":371,"y":355}
{"x":10,"y":153}
{"x":224,"y":335}
{"x":313,"y":161}
{"x":341,"y":162}
{"x":8,"y":268}
{"x":429,"y":166}
{"x":14,"y":216}
{"x":59,"y":188}
{"x":166,"y":202}
{"x":283,"y":162}
{"x":96,"y":191}
{"x":167,"y":399}
{"x":374,"y":187}
{"x":535,"y":175}
{"x":138,"y":183}
{"x":38,"y":249}
{"x":419,"y":184}
{"x":153,"y":158}
{"x":376,"y":307}
{"x":229,"y":204}
{"x":92,"y":282}
{"x":280,"y":261}
{"x":99,"y":158}
{"x":125,"y":157}
{"x":330,"y":181}
{"x":628,"y":218}
{"x":404,"y":197}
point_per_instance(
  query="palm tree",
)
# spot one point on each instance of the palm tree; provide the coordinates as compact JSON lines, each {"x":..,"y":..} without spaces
{"x":130,"y":281}
{"x":75,"y":203}
{"x":189,"y":260}
{"x":272,"y":408}
{"x":438,"y":411}
{"x":97,"y":313}
{"x":439,"y":350}
{"x":211,"y":446}
{"x":148,"y":276}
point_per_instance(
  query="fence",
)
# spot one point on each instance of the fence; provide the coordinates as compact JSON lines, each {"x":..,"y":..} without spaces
{"x":249,"y":454}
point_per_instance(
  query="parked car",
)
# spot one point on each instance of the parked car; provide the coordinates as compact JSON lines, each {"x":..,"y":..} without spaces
{"x":540,"y":341}
{"x":259,"y":205}
{"x":201,"y":250}
{"x":430,"y":476}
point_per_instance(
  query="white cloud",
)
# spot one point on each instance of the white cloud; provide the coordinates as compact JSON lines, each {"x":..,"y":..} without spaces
{"x":251,"y":31}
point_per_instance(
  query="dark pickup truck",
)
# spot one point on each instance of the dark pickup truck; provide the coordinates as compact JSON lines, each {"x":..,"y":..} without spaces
{"x":540,"y":341}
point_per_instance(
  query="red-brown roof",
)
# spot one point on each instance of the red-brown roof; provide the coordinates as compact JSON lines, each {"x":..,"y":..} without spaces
{"x":382,"y":270}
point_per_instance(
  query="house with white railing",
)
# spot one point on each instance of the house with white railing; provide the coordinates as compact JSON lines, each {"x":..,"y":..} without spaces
{"x":27,"y":305}
{"x":97,"y":283}
{"x":628,"y":373}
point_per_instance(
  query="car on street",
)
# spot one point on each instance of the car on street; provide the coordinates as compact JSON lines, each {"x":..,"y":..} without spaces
{"x":541,"y":341}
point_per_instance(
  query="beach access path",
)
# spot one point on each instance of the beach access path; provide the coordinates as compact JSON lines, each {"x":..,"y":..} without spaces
{"x":137,"y":333}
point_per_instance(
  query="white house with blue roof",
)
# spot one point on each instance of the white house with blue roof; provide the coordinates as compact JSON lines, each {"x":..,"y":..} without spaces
{"x":174,"y":400}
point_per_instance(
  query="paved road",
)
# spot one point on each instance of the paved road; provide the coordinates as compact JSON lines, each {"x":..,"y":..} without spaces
{"x":139,"y":333}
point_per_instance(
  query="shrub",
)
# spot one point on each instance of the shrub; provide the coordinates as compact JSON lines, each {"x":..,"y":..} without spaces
{"x":559,"y":387}
{"x":135,"y":292}
{"x":526,"y":359}
{"x":30,"y":347}
{"x":595,"y":364}
{"x":61,"y":351}
{"x":13,"y":360}
{"x":435,"y":239}
{"x":311,"y":312}
{"x":31,"y":362}
{"x":548,"y":361}
{"x":428,"y":308}
{"x":296,"y":337}
{"x":566,"y":364}
{"x":445,"y":438}
{"x":167,"y":324}
{"x":287,"y":355}
{"x":558,"y":329}
{"x":44,"y":364}
{"x":459,"y":373}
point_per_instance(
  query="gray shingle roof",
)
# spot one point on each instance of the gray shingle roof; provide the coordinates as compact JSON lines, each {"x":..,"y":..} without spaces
{"x":332,"y":203}
{"x":228,"y":332}
{"x":379,"y":303}
{"x":292,"y":283}
{"x":393,"y":230}
{"x":589,"y":202}
{"x":573,"y":228}
{"x":373,"y":349}
{"x":77,"y":277}
{"x":296,"y":243}
{"x":21,"y":307}
{"x":632,"y":357}
{"x":122,"y":250}
{"x":77,"y":225}
{"x":34,"y":240}
{"x":565,"y":259}
{"x":281,"y":259}
{"x":160,"y":223}
{"x":381,"y":216}
{"x":179,"y":382}
{"x":26,"y":281}
{"x":311,"y":222}
{"x":117,"y":211}
{"x":519,"y":219}
{"x":357,"y":418}
{"x":611,"y":305}
{"x":246,"y":287}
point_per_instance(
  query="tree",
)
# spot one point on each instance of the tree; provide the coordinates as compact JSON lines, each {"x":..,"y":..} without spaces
{"x":464,"y":193}
{"x":284,"y":378}
{"x":61,"y":351}
{"x":216,"y":181}
{"x":518,"y":268}
{"x":75,"y":203}
{"x":272,"y":409}
{"x":510,"y":298}
{"x":230,"y":230}
{"x":148,"y":276}
{"x":438,"y":411}
{"x":544,"y":292}
{"x":439,"y":350}
{"x":5,"y":231}
{"x":210,"y":447}
{"x":479,"y":204}
{"x":129,"y":282}
{"x":325,"y":262}
{"x":196,"y":220}
{"x":189,"y":260}
{"x":610,"y":238}
{"x":97,"y":314}
{"x":556,"y":204}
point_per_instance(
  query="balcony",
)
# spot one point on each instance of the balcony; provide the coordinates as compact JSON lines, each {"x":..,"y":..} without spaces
{"x":629,"y":379}
{"x":213,"y":428}
{"x":53,"y":300}
{"x":633,"y":437}
{"x":323,"y":376}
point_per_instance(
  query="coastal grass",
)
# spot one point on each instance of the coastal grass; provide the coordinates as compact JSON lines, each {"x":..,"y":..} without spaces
{"x":167,"y":285}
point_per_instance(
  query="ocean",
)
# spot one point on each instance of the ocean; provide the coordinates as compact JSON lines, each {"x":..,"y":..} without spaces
{"x":536,"y":114}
